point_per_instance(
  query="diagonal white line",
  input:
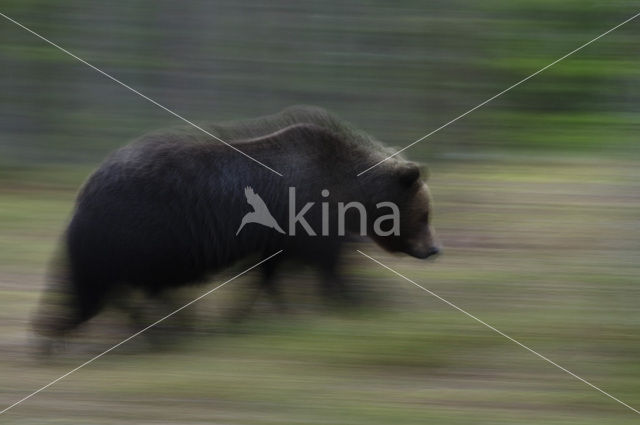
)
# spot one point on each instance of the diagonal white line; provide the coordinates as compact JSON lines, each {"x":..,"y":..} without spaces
{"x":499,"y":332}
{"x":137,"y":333}
{"x":500,"y":94}
{"x":138,"y":93}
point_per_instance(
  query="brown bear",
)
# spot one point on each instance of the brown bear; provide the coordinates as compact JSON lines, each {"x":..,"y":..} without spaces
{"x":174,"y":206}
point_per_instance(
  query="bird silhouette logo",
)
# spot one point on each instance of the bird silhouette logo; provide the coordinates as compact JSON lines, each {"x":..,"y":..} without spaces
{"x":260,"y":213}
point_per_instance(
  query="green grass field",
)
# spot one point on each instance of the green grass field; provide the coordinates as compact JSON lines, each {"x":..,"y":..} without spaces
{"x":544,"y":249}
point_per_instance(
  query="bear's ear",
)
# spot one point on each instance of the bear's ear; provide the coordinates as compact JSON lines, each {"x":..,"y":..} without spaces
{"x":424,"y":171}
{"x":408,"y":173}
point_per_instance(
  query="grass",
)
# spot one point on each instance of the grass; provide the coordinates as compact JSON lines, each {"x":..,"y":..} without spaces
{"x":545,"y":250}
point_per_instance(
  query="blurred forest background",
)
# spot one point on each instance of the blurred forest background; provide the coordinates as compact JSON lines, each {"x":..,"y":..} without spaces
{"x":398,"y":70}
{"x":537,"y":200}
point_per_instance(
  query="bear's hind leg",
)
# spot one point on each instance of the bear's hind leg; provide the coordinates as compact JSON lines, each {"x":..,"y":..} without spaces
{"x":63,"y":309}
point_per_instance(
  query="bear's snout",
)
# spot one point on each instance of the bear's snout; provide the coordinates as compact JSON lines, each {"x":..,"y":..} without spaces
{"x":425,"y":252}
{"x":434,"y":250}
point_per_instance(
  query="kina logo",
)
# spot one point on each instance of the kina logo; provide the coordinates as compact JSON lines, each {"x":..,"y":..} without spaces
{"x":260,"y":213}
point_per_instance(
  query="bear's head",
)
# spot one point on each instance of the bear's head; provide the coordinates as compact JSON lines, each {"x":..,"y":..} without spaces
{"x":399,"y":183}
{"x":395,"y":198}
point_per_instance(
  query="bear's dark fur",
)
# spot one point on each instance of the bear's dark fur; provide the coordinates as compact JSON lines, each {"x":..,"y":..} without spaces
{"x":164,"y":210}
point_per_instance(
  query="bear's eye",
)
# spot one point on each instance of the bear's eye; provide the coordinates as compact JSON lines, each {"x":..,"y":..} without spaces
{"x":424,"y":218}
